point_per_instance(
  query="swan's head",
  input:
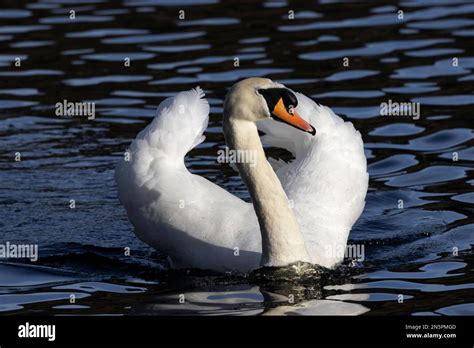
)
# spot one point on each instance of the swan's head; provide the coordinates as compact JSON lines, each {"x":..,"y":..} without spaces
{"x":255,"y":99}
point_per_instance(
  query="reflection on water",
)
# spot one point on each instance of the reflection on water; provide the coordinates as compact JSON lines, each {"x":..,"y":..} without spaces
{"x":417,"y":225}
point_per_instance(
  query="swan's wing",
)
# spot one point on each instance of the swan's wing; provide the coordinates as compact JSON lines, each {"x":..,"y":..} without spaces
{"x":177,"y":128}
{"x":326,"y":182}
{"x":196,"y":222}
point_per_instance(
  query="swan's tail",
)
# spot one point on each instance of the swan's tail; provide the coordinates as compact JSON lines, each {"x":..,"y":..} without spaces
{"x":177,"y":128}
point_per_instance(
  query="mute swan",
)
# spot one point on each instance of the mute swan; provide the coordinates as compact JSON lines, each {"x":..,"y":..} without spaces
{"x":302,"y":211}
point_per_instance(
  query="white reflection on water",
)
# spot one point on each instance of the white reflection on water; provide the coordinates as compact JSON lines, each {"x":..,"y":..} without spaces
{"x":244,"y":302}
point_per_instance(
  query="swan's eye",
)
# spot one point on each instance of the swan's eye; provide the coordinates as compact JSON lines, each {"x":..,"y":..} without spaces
{"x":291,"y":110}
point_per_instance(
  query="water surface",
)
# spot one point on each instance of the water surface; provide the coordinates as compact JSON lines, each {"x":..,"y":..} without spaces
{"x":418,"y":256}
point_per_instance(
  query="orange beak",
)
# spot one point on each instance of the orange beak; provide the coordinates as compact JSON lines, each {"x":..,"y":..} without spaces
{"x":293,"y":119}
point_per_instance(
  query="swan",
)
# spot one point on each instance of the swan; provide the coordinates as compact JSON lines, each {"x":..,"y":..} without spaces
{"x":301,"y":211}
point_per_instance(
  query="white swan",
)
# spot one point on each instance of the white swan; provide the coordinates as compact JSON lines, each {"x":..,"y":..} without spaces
{"x":302,"y":211}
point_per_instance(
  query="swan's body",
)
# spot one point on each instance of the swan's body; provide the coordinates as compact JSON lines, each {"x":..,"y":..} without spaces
{"x":302,"y":211}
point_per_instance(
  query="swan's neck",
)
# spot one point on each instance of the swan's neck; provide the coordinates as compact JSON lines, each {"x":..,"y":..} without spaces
{"x":282,"y":241}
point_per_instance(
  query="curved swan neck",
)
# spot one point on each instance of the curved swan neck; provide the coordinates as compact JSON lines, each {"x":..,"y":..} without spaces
{"x":282,"y":241}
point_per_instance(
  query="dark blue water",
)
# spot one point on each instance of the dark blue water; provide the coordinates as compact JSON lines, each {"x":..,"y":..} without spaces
{"x":421,"y":250}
